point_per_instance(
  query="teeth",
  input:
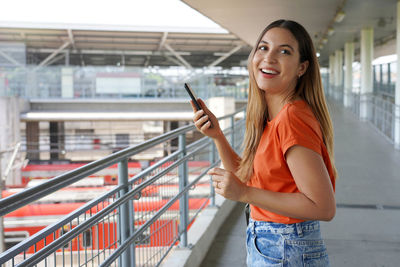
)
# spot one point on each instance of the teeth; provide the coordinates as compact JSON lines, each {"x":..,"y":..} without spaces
{"x":269,"y":71}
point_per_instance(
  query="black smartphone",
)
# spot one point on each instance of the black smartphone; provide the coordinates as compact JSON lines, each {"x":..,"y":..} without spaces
{"x":192,"y":96}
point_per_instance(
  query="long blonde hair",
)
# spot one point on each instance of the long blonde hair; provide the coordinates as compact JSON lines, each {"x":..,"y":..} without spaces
{"x":309,"y":87}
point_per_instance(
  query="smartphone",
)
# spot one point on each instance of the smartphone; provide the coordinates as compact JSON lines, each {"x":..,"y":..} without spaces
{"x":192,"y":96}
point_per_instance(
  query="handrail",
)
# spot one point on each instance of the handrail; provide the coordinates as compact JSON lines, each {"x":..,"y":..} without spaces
{"x":115,"y":199}
{"x":20,"y":199}
{"x":51,"y":228}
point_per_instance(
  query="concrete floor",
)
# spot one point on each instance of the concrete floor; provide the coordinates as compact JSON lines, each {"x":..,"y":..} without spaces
{"x":365,"y":230}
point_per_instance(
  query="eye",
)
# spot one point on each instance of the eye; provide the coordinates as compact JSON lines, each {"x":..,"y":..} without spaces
{"x":285,"y":51}
{"x":263,"y":47}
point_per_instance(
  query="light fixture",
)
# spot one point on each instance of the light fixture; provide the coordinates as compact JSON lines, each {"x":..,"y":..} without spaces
{"x":318,"y":54}
{"x":331,"y":31}
{"x":324,"y":40}
{"x":339,"y":16}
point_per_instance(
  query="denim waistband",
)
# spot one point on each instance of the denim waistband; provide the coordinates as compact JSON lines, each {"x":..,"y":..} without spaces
{"x":280,"y":228}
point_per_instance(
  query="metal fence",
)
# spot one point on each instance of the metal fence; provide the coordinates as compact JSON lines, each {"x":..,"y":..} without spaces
{"x":380,"y":109}
{"x":133,"y":224}
{"x":382,"y":115}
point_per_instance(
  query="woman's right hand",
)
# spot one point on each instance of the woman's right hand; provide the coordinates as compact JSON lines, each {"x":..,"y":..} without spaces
{"x":205,"y":121}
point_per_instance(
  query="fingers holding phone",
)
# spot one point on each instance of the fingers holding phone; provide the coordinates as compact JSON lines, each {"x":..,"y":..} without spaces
{"x":203,"y":118}
{"x":205,"y":121}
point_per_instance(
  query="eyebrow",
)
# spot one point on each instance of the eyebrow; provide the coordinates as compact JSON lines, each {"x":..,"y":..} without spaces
{"x":282,"y":45}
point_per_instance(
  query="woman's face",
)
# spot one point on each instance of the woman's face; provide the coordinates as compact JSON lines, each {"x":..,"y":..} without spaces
{"x":276,"y":62}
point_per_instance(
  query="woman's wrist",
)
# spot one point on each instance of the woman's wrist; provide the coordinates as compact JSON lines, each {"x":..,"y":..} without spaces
{"x":219,"y":136}
{"x":244,"y":196}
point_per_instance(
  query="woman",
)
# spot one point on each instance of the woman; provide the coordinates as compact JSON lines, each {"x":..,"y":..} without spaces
{"x":286,"y":172}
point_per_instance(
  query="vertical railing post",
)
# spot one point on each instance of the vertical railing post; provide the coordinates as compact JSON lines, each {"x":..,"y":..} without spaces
{"x":184,"y":200}
{"x":123,"y":216}
{"x":131,"y":209}
{"x":212,"y":161}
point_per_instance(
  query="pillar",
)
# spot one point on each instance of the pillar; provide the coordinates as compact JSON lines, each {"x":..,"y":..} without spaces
{"x":339,"y":74}
{"x":9,"y":137}
{"x":57,"y":139}
{"x":367,"y":49}
{"x":331,"y":73}
{"x":397,"y":89}
{"x":32,"y":140}
{"x":348,"y":75}
{"x":67,"y":83}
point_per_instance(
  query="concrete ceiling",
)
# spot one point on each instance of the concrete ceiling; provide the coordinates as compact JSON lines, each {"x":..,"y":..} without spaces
{"x":246,"y":19}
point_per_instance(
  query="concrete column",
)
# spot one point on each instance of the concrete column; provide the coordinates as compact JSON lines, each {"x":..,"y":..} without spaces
{"x":32,"y":140}
{"x":331,"y":73}
{"x":397,"y":90}
{"x":348,"y":75}
{"x":9,"y":137}
{"x":339,"y":73}
{"x":57,"y":139}
{"x":367,"y":50}
{"x":67,"y":83}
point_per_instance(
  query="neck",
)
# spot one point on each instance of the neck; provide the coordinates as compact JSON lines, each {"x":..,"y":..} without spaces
{"x":275,"y":103}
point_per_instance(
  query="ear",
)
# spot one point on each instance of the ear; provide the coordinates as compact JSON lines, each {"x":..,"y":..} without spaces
{"x":302,"y":68}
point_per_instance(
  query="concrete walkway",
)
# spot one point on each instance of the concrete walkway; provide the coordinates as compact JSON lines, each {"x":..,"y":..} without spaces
{"x":365,"y":231}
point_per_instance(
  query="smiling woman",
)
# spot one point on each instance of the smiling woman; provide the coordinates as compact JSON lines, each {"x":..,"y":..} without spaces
{"x":277,"y":63}
{"x":286,"y":172}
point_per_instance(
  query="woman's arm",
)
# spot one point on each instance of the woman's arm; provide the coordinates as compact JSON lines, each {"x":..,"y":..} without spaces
{"x":315,"y":201}
{"x":228,"y":156}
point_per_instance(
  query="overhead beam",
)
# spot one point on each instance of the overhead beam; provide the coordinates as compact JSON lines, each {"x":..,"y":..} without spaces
{"x":108,"y":52}
{"x":174,"y":60}
{"x":71,"y":38}
{"x":222,"y":58}
{"x":47,"y":59}
{"x":162,"y":42}
{"x":55,"y":59}
{"x":9,"y":58}
{"x":146,"y":62}
{"x":181,"y":59}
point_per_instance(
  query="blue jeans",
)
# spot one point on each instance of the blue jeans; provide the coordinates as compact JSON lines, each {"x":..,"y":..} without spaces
{"x":286,"y":245}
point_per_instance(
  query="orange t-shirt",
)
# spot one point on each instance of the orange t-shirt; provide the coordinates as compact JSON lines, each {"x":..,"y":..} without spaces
{"x":295,"y":124}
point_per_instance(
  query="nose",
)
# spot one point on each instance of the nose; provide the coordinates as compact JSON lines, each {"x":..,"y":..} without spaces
{"x":269,"y":57}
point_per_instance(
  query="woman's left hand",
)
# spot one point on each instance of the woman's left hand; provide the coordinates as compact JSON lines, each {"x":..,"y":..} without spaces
{"x":228,"y":184}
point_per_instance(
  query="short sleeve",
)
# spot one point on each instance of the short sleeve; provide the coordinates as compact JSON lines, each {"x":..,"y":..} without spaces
{"x":299,"y":127}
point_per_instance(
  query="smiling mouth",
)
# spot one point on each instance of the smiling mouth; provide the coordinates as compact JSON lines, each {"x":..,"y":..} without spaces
{"x":267,"y":71}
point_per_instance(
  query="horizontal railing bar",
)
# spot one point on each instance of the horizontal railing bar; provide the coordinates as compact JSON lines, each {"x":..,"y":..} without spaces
{"x":68,"y":236}
{"x":152,"y":168}
{"x":138,"y":232}
{"x":25,"y":244}
{"x":91,"y":168}
{"x":21,"y":199}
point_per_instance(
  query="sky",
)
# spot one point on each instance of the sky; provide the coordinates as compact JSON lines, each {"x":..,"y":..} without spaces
{"x":120,"y":14}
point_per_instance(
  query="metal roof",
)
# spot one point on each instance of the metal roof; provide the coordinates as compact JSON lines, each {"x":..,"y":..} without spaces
{"x":129,"y":47}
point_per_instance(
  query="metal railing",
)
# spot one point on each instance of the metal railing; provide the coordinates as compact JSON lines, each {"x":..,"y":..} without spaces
{"x":133,"y":224}
{"x":379,"y":110}
{"x":383,"y":115}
